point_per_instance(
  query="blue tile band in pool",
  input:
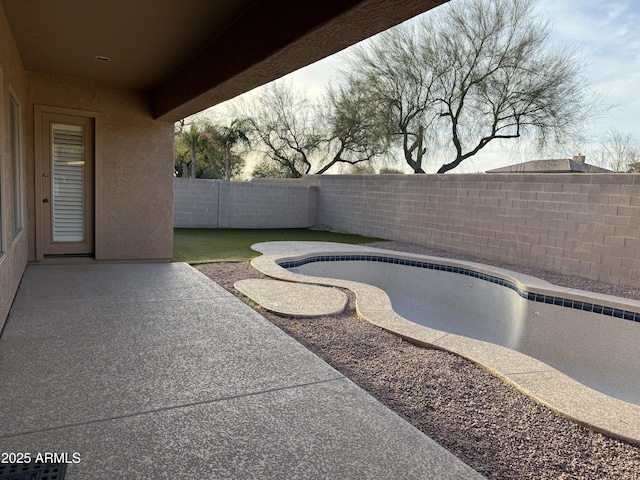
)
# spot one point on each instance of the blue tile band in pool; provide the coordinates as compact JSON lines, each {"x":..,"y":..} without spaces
{"x":536,"y":297}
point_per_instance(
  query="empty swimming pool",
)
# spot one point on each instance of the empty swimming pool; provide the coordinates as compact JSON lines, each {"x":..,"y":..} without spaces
{"x":592,"y":342}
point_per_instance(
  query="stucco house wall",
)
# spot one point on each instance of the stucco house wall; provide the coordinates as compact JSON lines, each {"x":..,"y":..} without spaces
{"x":13,"y":79}
{"x":134,"y":178}
{"x":134,"y":210}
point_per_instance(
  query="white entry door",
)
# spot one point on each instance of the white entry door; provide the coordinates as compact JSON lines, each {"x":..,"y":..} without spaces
{"x":67,"y":185}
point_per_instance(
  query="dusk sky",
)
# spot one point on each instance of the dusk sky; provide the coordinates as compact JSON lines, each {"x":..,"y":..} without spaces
{"x":606,"y":35}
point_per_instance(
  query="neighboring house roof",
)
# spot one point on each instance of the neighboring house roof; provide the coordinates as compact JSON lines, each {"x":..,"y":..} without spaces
{"x":192,"y":54}
{"x":576,"y":164}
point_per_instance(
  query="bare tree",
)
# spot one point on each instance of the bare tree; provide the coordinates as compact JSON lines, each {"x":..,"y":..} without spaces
{"x":619,"y":151}
{"x":351,"y":131}
{"x":283,"y":123}
{"x":395,"y":78}
{"x":500,"y":78}
{"x":267,"y":168}
{"x":301,"y":136}
{"x":634,"y":167}
{"x":474,"y":71}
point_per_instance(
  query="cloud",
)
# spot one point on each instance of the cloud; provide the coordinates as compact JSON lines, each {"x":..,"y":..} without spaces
{"x":313,"y":79}
{"x":606,"y":34}
{"x":601,"y":29}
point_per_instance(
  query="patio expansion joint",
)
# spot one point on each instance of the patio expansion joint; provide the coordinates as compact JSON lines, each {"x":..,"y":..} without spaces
{"x":173,"y":407}
{"x":441,"y":338}
{"x":529,"y":372}
{"x":93,"y":304}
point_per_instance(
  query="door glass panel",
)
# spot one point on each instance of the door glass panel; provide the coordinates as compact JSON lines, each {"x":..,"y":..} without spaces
{"x":68,"y":182}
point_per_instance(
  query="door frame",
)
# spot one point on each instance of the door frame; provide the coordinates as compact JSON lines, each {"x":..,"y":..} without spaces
{"x":39,"y":110}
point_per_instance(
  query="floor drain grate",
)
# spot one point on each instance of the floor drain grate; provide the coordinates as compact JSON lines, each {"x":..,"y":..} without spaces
{"x":32,"y":471}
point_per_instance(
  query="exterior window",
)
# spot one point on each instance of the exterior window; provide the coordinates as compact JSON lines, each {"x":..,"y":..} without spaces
{"x":16,"y":164}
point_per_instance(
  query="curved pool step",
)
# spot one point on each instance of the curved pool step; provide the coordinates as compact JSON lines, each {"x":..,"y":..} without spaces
{"x":293,"y":299}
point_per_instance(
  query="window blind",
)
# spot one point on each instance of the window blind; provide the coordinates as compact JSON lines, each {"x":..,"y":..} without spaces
{"x":68,"y":183}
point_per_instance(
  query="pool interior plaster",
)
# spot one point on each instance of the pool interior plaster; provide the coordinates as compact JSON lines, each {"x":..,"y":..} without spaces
{"x":533,"y":377}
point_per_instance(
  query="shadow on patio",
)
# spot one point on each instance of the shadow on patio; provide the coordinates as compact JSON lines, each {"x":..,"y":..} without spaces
{"x":154,"y":371}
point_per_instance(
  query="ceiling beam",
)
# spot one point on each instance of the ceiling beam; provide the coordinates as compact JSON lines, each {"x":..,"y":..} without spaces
{"x":274,"y":38}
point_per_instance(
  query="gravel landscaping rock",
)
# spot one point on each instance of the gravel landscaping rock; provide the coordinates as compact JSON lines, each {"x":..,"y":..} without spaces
{"x":498,"y":431}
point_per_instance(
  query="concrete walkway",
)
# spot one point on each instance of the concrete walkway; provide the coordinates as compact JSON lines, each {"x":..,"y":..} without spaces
{"x":155,"y":372}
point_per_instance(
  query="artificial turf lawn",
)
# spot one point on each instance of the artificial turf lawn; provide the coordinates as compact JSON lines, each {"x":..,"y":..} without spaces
{"x":207,"y":245}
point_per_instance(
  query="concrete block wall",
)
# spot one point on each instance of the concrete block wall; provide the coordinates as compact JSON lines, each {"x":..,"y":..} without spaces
{"x":577,"y":224}
{"x":195,"y":203}
{"x":251,"y":205}
{"x":222,"y":204}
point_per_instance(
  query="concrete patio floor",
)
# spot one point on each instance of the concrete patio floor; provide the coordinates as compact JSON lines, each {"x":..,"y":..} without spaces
{"x":155,"y":372}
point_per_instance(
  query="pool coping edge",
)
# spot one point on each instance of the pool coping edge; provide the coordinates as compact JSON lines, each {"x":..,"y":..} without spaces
{"x":541,"y":382}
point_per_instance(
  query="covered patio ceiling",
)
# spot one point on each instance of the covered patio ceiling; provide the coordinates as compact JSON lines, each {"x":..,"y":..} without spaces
{"x":192,"y":54}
